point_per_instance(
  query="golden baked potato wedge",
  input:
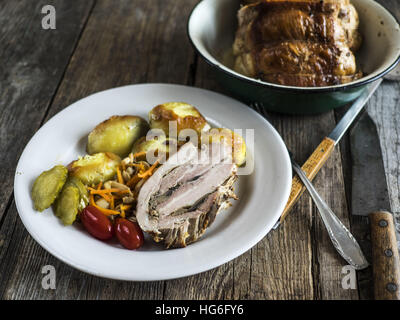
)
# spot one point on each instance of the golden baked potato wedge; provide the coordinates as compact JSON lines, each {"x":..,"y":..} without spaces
{"x":185,"y":115}
{"x":229,"y":137}
{"x":47,"y":187}
{"x":117,"y":135}
{"x":95,"y":168}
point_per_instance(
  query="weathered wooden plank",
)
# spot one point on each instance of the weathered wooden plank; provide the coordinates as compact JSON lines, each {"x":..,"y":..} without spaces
{"x":129,"y":42}
{"x":297,"y":261}
{"x":124,"y":42}
{"x":383,"y":108}
{"x":302,"y":135}
{"x":33,"y":62}
{"x":330,"y":184}
{"x":214,"y":284}
{"x":359,"y":225}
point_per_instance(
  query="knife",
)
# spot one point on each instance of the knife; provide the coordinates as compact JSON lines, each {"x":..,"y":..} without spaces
{"x":370,"y":198}
{"x":326,"y":147}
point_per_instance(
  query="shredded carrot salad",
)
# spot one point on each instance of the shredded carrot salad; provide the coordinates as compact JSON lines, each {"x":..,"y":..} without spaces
{"x":109,"y":197}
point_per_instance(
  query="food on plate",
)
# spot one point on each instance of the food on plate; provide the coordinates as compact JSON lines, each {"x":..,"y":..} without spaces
{"x":182,"y":198}
{"x":74,"y":197}
{"x":67,"y":204}
{"x":231,"y":139}
{"x":47,"y":187}
{"x":92,"y":169}
{"x":128,"y":233}
{"x":173,"y":197}
{"x":96,"y":223}
{"x":185,"y":115}
{"x":306,"y":43}
{"x":158,"y":145}
{"x":83,"y":191}
{"x":117,"y":135}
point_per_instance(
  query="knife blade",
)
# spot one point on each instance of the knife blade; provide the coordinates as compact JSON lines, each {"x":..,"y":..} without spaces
{"x":370,"y":198}
{"x":322,"y":153}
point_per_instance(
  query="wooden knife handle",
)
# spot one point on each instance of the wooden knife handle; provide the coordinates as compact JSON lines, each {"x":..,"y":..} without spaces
{"x":385,"y":257}
{"x":311,"y":168}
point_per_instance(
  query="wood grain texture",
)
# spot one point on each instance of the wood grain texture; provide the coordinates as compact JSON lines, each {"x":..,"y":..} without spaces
{"x":33,"y":63}
{"x":124,"y":42}
{"x":383,"y":109}
{"x":301,"y":135}
{"x":132,"y":41}
{"x":330,"y":184}
{"x":311,"y":167}
{"x":385,"y":257}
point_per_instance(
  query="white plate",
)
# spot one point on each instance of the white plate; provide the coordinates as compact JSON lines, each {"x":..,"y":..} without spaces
{"x":263,"y":194}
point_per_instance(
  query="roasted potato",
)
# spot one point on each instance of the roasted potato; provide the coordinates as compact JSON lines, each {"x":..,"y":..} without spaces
{"x":47,"y":187}
{"x":186,"y":116}
{"x":117,"y":135}
{"x":232,"y":139}
{"x":96,"y":168}
{"x":159,"y":145}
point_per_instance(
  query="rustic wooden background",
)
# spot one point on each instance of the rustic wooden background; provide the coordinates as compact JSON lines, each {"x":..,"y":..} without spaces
{"x":106,"y":43}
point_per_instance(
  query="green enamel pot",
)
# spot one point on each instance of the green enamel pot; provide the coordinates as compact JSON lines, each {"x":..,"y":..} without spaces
{"x":211,"y":29}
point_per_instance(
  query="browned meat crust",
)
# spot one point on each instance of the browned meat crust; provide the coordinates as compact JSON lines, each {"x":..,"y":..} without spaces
{"x":298,"y":42}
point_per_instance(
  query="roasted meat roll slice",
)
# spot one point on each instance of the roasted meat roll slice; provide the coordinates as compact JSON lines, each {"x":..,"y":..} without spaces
{"x":298,"y":42}
{"x":182,"y":198}
{"x":303,"y":64}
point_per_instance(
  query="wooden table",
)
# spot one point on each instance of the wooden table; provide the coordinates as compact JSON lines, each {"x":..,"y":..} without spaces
{"x":106,"y":43}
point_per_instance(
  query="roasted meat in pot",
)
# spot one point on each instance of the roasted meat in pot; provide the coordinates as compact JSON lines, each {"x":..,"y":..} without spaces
{"x":305,"y":43}
{"x":182,"y":198}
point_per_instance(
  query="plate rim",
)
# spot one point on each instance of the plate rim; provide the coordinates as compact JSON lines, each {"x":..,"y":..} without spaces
{"x":216,"y":263}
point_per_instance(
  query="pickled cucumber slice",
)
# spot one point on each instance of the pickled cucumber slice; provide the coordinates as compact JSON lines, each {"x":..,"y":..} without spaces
{"x":67,"y":205}
{"x":83,"y":192}
{"x":47,"y":187}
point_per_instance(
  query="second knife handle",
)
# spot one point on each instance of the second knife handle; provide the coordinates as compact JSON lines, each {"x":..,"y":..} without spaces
{"x":385,"y":257}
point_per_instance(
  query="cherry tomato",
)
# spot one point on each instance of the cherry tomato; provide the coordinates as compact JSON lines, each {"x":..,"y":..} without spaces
{"x":96,"y":223}
{"x":128,"y":233}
